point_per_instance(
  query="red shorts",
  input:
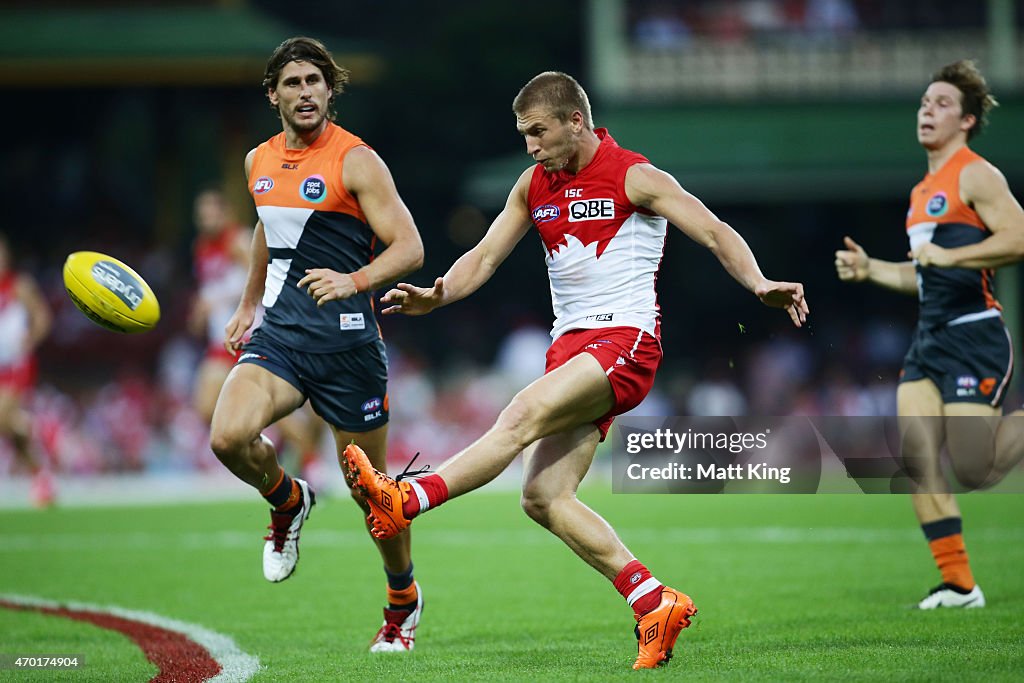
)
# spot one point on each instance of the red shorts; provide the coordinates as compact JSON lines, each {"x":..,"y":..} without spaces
{"x":629,"y":356}
{"x":217,"y":353}
{"x":19,"y":377}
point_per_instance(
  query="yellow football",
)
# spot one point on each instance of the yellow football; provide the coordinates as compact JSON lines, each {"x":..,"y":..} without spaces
{"x":110,"y":293}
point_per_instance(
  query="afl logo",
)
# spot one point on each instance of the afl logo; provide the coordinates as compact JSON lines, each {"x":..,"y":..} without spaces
{"x":263,"y":184}
{"x":314,"y":189}
{"x":937,"y":205}
{"x":373,"y":404}
{"x":548,"y":212}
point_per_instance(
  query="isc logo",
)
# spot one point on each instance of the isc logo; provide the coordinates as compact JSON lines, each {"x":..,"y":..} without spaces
{"x":591,"y":210}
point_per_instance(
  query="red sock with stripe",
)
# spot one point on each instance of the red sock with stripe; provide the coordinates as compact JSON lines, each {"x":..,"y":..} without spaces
{"x":428,"y":492}
{"x":641,"y":590}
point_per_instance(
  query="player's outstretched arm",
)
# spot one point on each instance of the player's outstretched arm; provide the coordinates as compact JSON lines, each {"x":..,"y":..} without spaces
{"x":413,"y":300}
{"x":985,"y":189}
{"x":854,"y":265}
{"x":658,"y":191}
{"x":473,"y":268}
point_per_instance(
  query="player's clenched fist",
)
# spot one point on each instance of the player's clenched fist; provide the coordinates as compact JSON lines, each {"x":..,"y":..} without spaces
{"x":852,"y":263}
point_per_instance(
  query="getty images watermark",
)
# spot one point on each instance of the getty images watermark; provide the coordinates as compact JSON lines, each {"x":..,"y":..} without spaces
{"x":814,"y":454}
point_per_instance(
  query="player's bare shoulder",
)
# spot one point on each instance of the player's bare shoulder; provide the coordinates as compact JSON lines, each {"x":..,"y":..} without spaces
{"x":363,"y":168}
{"x":248,"y":161}
{"x":980,"y":180}
{"x":645,"y":182}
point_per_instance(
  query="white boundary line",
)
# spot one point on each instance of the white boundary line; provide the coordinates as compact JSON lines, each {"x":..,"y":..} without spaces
{"x":236,"y":666}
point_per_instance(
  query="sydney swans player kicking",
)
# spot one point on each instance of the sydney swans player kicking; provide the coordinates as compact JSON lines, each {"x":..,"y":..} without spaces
{"x":601,"y":211}
{"x":963,"y":222}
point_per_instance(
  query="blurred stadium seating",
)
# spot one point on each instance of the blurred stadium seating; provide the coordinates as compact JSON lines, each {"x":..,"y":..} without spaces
{"x":792,"y":118}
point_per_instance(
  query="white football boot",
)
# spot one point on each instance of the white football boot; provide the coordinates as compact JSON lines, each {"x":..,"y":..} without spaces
{"x":398,"y":634}
{"x":281,"y":550}
{"x":948,"y":595}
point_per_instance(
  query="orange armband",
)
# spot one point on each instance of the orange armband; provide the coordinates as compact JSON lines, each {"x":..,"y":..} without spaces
{"x":360,"y":280}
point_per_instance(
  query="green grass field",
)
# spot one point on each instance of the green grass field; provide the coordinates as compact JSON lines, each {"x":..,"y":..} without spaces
{"x":789,"y":588}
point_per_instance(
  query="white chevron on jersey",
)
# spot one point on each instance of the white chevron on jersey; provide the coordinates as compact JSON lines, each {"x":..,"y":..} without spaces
{"x":283,"y":228}
{"x":277,"y":271}
{"x":614,"y":289}
{"x":283,"y":225}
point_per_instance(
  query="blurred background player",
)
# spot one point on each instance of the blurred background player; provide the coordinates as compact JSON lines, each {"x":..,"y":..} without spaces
{"x":221,"y":258}
{"x":602,"y":213}
{"x":221,"y":265}
{"x":25,"y":320}
{"x":963,"y":223}
{"x":324,"y":200}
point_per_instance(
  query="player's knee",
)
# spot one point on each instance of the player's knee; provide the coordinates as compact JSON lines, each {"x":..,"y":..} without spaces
{"x":543,"y":507}
{"x":227,"y":443}
{"x":521,"y":420}
{"x":537,"y":507}
{"x":976,"y":476}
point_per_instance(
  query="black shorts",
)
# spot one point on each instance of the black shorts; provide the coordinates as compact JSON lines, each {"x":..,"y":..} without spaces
{"x":348,"y":389}
{"x":969,"y":362}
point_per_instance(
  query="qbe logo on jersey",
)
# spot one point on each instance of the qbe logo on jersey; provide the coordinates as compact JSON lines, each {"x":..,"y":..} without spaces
{"x":591,"y":210}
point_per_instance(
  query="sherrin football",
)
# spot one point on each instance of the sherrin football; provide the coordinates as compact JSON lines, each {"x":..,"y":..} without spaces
{"x":110,"y":293}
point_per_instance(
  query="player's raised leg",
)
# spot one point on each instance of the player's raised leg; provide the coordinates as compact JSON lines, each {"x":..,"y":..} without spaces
{"x":251,"y":399}
{"x":921,"y":409}
{"x":573,"y":394}
{"x":551,"y":477}
{"x":404,"y":599}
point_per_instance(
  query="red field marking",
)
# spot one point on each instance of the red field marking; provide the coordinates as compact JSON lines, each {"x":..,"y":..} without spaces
{"x":179,"y":658}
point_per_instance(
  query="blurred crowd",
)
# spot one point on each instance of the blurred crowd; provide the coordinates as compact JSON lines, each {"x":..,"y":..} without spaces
{"x":668,"y":24}
{"x":139,"y":414}
{"x":107,"y":402}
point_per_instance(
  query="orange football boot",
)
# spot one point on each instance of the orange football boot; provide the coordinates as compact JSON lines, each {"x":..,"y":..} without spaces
{"x":656,"y":631}
{"x":384,"y":495}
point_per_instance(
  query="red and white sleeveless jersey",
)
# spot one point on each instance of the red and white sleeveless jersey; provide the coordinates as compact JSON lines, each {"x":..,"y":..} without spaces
{"x":603,"y":252}
{"x":221,"y":279}
{"x":14,"y":322}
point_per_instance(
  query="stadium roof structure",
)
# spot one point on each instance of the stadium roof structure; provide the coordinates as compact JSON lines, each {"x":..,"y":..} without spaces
{"x":189,"y":46}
